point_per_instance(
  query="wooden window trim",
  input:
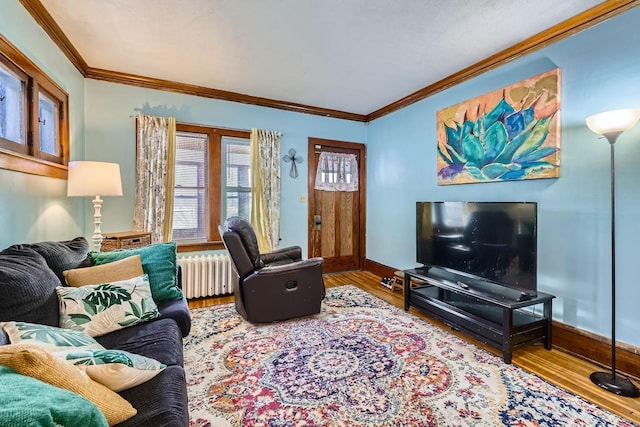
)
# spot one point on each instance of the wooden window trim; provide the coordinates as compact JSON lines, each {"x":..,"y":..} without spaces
{"x":215,"y":182}
{"x":35,"y":162}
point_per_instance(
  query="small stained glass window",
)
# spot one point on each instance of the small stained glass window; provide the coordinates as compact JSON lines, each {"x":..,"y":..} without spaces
{"x":12,"y":106}
{"x":49,"y":123}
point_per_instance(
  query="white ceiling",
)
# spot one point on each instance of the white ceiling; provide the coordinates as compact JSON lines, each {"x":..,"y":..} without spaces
{"x":349,"y":55}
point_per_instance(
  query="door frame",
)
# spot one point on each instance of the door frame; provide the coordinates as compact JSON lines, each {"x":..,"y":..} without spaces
{"x":362,"y":187}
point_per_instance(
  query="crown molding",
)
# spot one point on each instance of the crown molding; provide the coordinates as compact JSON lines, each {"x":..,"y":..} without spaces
{"x":45,"y":20}
{"x":188,"y":89}
{"x":556,"y":33}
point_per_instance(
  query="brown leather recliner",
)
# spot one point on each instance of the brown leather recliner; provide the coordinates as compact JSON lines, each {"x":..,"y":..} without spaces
{"x":273,"y":286}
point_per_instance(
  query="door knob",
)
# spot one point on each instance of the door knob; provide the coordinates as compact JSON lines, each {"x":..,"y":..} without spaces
{"x":317,"y":222}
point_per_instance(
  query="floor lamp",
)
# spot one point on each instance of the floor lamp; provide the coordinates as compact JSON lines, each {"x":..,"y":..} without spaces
{"x":94,"y":179}
{"x":611,"y":125}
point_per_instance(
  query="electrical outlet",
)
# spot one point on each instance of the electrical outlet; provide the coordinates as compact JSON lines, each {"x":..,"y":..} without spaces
{"x":302,"y":198}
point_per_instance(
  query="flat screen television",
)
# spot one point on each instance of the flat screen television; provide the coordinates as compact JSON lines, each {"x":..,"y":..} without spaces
{"x":491,"y":241}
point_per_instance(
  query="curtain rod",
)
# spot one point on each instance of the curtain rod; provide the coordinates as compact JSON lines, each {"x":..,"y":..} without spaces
{"x":200,"y":124}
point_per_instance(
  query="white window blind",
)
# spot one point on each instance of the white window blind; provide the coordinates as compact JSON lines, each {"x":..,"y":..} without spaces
{"x":190,"y":207}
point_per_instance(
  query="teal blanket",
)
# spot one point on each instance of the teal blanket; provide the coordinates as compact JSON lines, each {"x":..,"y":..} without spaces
{"x":26,"y":401}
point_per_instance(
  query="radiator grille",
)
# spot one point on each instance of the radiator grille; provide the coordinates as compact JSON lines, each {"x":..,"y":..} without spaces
{"x":206,"y":275}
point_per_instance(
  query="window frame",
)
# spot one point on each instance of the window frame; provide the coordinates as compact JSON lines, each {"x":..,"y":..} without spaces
{"x":214,"y":190}
{"x":28,"y":158}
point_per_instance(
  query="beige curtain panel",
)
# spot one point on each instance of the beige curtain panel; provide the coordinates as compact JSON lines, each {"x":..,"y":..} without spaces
{"x":155,"y":174}
{"x":265,"y":194}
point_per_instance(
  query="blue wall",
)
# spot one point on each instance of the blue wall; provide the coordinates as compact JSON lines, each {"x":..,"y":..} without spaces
{"x":110,"y":136}
{"x":600,"y":71}
{"x":32,"y":207}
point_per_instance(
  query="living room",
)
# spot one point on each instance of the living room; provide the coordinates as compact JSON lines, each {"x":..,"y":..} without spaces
{"x":600,"y":71}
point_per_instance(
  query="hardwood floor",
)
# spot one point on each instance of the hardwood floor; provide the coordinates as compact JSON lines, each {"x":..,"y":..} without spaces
{"x":557,"y":367}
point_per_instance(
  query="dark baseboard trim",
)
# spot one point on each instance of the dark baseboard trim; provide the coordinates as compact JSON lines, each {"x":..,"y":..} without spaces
{"x":596,"y":349}
{"x":379,"y":269}
{"x":572,"y":340}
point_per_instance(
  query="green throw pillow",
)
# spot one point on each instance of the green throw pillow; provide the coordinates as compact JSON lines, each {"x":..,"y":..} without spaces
{"x":99,"y":309}
{"x":26,"y":401}
{"x":159,"y":261}
{"x":116,"y":369}
{"x":48,"y":337}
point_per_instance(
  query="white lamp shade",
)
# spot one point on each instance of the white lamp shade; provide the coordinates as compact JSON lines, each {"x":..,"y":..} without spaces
{"x":615,"y":121}
{"x":88,"y":178}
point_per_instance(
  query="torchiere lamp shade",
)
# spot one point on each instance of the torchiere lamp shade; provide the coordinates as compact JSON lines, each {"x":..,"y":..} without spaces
{"x":616,"y":121}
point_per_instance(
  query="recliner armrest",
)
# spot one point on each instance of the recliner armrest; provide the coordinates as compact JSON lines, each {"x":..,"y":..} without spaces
{"x":293,"y":266}
{"x":291,"y":254}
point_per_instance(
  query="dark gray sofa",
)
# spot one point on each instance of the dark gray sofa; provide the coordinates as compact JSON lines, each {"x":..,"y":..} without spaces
{"x":29,"y":274}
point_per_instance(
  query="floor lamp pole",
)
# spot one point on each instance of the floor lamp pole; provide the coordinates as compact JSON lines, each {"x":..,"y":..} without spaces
{"x":610,"y":381}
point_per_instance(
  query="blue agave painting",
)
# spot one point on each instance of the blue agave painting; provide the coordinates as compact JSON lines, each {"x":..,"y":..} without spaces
{"x":515,"y":138}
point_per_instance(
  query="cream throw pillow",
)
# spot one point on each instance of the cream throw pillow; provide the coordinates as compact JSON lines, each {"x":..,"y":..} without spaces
{"x":126,"y":268}
{"x":116,"y":369}
{"x":39,"y":363}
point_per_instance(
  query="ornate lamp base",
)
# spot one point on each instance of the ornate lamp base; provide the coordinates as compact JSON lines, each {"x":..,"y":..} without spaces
{"x":97,"y":220}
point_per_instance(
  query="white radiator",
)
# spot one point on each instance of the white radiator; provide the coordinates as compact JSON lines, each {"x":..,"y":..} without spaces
{"x":206,"y":275}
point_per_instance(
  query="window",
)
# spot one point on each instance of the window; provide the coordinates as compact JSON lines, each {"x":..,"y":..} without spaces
{"x":190,"y":194}
{"x":236,"y":185}
{"x":13,"y":108}
{"x":48,"y":111}
{"x":212,"y":183}
{"x":34,"y":127}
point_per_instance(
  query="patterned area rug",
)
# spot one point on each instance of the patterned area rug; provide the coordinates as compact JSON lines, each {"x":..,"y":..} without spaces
{"x":362,"y":362}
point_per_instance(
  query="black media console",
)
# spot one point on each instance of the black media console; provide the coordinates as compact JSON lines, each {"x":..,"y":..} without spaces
{"x":492,"y":313}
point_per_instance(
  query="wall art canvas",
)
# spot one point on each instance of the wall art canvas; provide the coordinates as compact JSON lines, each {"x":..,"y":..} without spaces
{"x":509,"y":134}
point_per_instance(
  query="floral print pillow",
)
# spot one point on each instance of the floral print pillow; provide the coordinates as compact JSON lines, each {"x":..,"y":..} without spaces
{"x":116,"y":369}
{"x":100,"y":309}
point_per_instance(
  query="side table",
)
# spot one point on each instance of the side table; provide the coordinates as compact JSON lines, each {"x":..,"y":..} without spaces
{"x":125,"y":240}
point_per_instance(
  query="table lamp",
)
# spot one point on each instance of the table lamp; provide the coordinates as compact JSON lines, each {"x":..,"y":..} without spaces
{"x":88,"y":178}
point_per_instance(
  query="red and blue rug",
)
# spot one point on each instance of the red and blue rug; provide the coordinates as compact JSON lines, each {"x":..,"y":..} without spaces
{"x":362,"y":362}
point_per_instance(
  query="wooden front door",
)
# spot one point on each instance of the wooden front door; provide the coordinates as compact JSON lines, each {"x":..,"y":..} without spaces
{"x":337,"y":218}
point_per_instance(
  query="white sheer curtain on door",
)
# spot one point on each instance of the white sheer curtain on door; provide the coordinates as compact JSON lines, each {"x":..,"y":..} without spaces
{"x":265,"y":193}
{"x":155,"y":175}
{"x":337,"y":172}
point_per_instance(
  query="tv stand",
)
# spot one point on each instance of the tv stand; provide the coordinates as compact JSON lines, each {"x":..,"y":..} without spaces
{"x":494,"y":314}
